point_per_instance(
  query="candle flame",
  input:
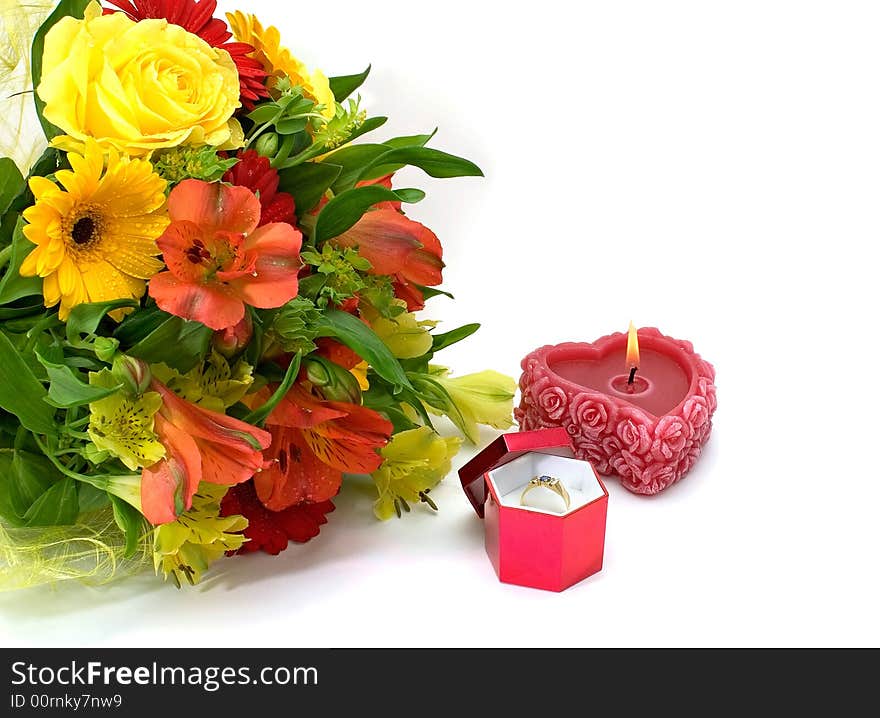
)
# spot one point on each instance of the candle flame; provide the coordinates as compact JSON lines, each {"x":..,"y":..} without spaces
{"x":632,"y":348}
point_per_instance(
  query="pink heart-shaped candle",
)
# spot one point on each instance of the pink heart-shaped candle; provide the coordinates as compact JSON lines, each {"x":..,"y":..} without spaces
{"x":649,"y":432}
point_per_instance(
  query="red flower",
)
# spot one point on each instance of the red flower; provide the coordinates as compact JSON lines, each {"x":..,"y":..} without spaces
{"x":313,"y":443}
{"x":271,"y":531}
{"x":200,"y":445}
{"x":197,"y":17}
{"x":398,"y":247}
{"x":254,"y":172}
{"x":337,"y":352}
{"x":218,"y":260}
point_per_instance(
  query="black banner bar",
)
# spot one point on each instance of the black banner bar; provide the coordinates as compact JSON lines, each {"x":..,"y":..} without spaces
{"x":255,"y":682}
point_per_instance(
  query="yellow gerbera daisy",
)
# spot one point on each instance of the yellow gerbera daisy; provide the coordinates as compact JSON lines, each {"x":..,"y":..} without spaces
{"x":278,"y":62}
{"x":96,"y":234}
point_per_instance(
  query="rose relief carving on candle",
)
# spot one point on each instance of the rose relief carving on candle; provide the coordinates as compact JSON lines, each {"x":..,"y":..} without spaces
{"x":553,"y":402}
{"x":590,"y":415}
{"x":650,"y":438}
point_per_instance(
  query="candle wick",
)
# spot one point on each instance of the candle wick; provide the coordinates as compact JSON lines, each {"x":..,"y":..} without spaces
{"x":632,"y":376}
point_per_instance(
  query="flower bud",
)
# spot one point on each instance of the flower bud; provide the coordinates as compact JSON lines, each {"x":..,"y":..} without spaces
{"x":232,"y":341}
{"x":267,"y":144}
{"x":332,"y":381}
{"x":105,"y":348}
{"x":134,"y":374}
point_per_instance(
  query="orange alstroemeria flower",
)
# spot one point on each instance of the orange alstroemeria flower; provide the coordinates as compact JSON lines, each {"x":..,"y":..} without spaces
{"x":313,"y":443}
{"x":200,"y":445}
{"x":397,"y":246}
{"x":217,"y":258}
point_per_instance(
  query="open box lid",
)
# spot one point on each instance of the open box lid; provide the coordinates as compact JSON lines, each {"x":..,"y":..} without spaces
{"x":505,"y":448}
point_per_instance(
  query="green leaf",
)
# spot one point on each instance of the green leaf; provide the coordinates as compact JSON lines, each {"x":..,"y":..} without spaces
{"x":308,"y":182}
{"x":22,"y":309}
{"x":353,"y":159}
{"x":312,"y":286}
{"x":410,"y":140}
{"x":291,"y":125}
{"x":76,"y":8}
{"x":85,"y":318}
{"x":130,"y":520}
{"x":178,"y":343}
{"x":48,"y":163}
{"x":58,"y":506}
{"x":11,"y":183}
{"x":309,"y":152}
{"x":441,"y":341}
{"x":381,"y":170}
{"x":343,"y":85}
{"x":429,"y":292}
{"x":409,"y":396}
{"x":25,"y":479}
{"x":13,"y":286}
{"x":378,"y":399}
{"x":370,"y":124}
{"x":262,"y":114}
{"x":300,"y":107}
{"x":20,"y":392}
{"x":343,"y":211}
{"x":410,"y":195}
{"x":258,"y":416}
{"x":91,"y":498}
{"x":139,"y":324}
{"x":67,"y":390}
{"x":433,"y":162}
{"x":356,"y":335}
{"x":18,"y":489}
{"x":7,"y":227}
{"x":435,"y":395}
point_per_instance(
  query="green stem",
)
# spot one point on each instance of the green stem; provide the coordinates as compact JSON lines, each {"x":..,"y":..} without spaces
{"x":101,"y":481}
{"x":308,"y":153}
{"x":258,"y":131}
{"x":5,"y":254}
{"x":258,"y":416}
{"x":66,"y":452}
{"x":284,"y":151}
{"x":78,"y":435}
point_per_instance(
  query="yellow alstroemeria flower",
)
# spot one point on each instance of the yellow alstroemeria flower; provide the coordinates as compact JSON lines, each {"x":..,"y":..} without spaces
{"x":415,"y":461}
{"x":185,"y":548}
{"x":96,"y":234}
{"x":404,"y":335}
{"x":122,"y":425}
{"x":213,"y":385}
{"x":482,"y":398}
{"x":278,"y":62}
{"x":137,"y":86}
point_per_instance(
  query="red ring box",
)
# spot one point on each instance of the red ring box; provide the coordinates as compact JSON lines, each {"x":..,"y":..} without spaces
{"x":541,"y":545}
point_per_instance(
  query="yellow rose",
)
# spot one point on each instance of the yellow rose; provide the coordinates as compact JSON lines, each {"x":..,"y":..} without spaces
{"x":137,"y":86}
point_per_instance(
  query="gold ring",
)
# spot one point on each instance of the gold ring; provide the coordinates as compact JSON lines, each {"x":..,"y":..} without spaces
{"x":546,"y":482}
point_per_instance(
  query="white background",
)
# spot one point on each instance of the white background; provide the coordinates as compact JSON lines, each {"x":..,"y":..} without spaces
{"x":708,"y":168}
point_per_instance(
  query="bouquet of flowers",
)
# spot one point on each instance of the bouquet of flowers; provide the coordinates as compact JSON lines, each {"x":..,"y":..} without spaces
{"x":208,"y":296}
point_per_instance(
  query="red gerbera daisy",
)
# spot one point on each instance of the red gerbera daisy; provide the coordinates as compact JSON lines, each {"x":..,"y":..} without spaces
{"x":254,"y":172}
{"x":271,"y":531}
{"x":197,"y":17}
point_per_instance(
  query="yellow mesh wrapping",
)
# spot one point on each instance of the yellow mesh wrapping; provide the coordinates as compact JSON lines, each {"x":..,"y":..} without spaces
{"x":90,"y":551}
